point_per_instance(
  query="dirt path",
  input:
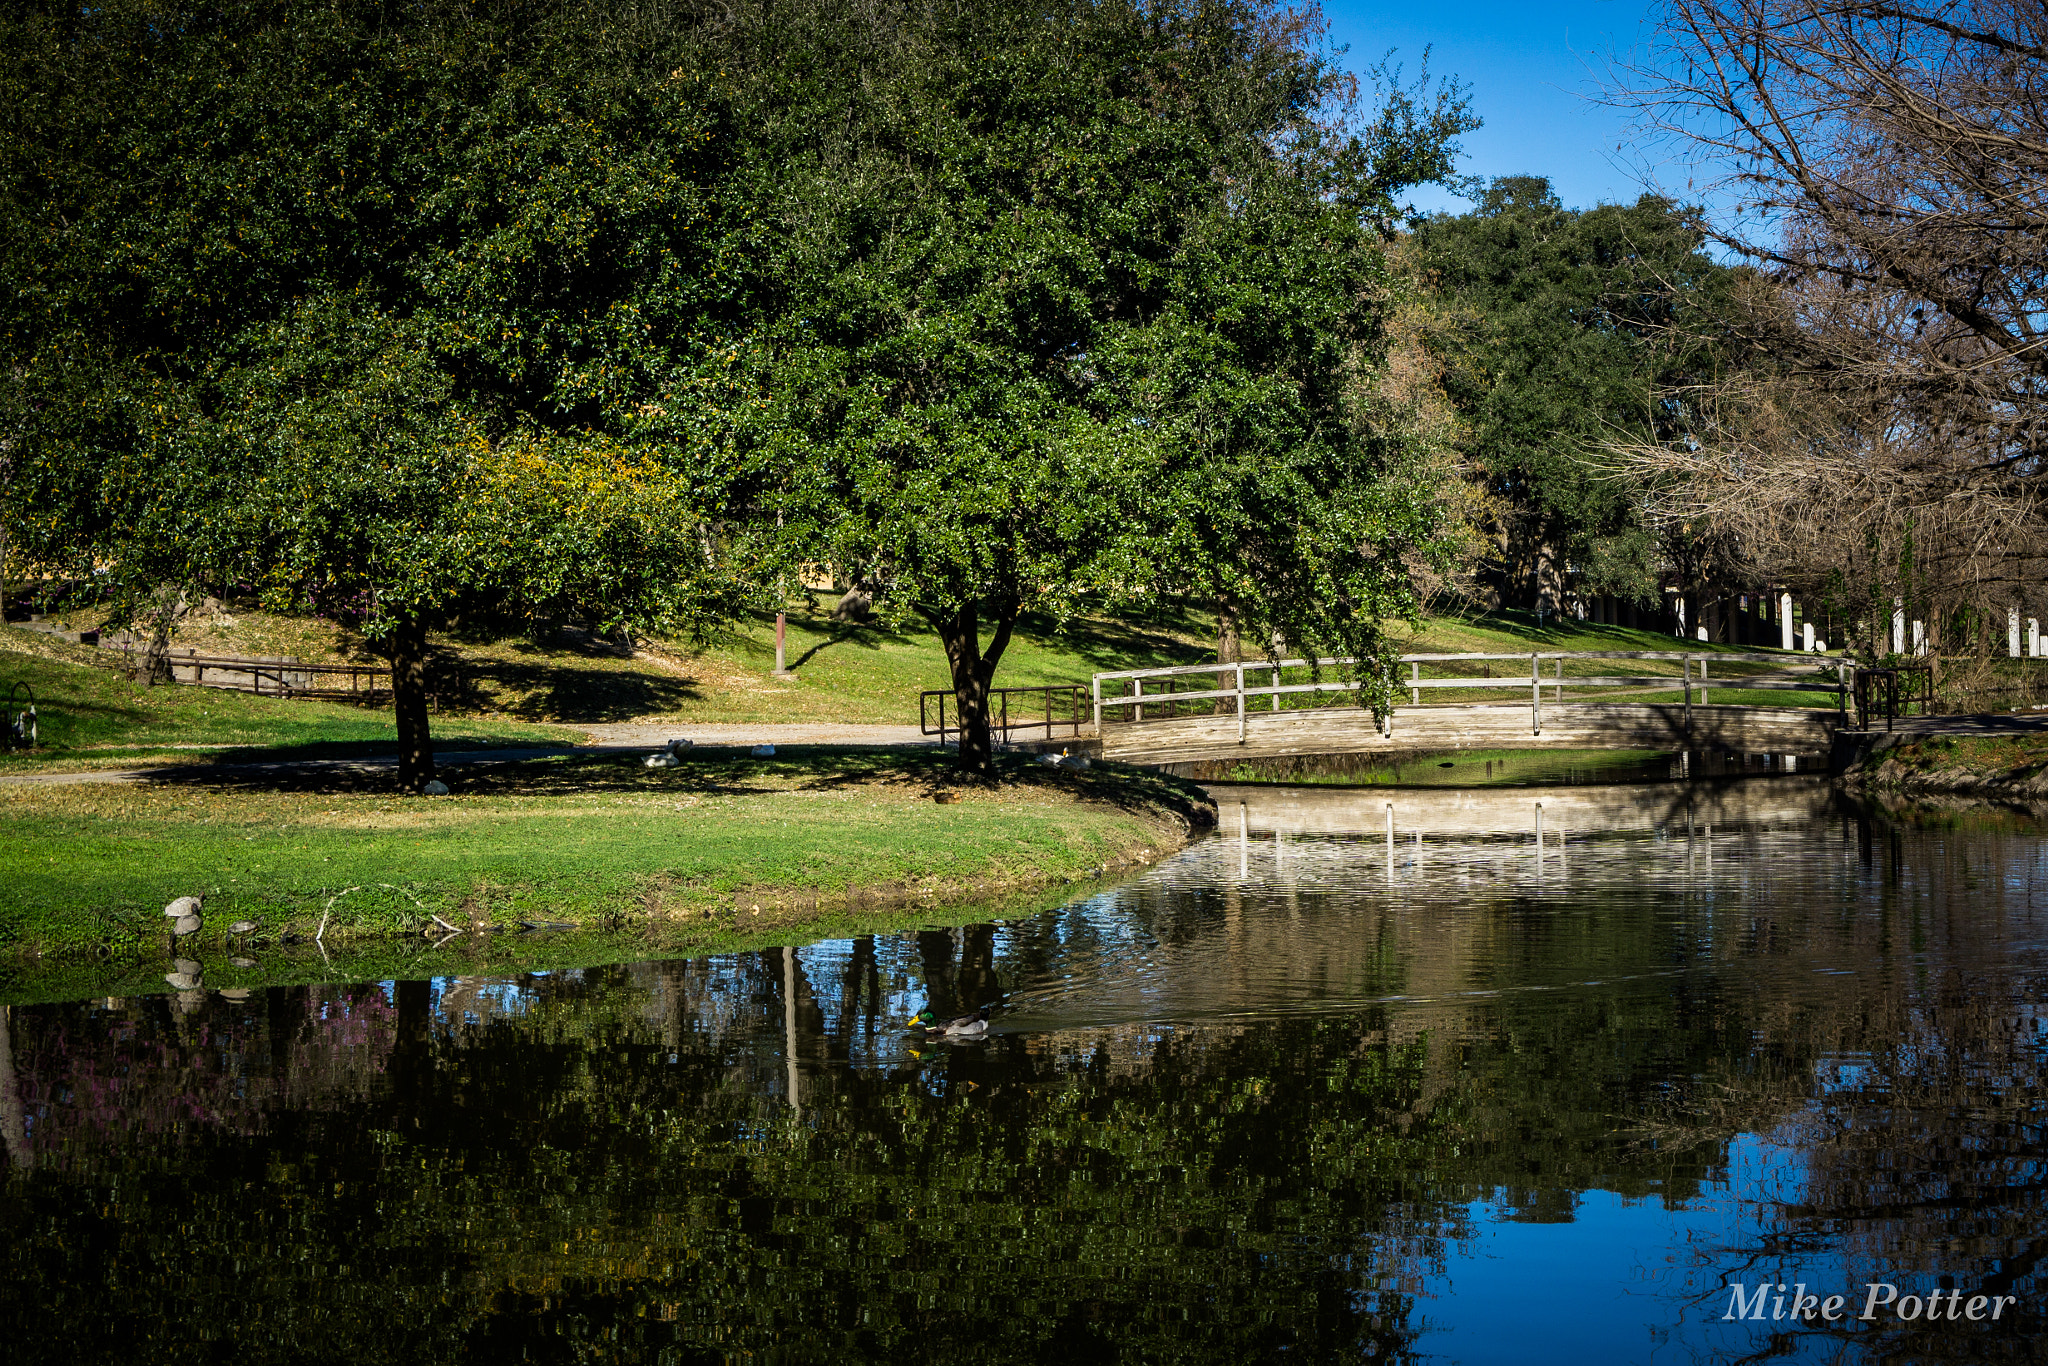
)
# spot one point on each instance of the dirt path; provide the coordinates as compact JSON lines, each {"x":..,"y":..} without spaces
{"x":653,"y":735}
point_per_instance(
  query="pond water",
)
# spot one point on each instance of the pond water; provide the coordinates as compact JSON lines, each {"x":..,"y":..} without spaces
{"x":1302,"y":1092}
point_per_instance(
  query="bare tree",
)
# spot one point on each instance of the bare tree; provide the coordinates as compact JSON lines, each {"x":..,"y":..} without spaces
{"x":1885,"y":166}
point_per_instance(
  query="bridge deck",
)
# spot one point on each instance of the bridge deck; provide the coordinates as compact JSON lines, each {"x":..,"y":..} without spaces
{"x":1565,"y":725}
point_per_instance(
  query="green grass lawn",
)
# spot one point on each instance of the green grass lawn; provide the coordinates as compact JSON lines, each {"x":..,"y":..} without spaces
{"x":94,"y":714}
{"x":838,"y":672}
{"x":523,"y":692}
{"x":723,"y":839}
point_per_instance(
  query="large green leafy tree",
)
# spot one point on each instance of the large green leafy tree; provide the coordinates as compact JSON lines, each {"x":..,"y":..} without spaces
{"x":1560,"y":332}
{"x":362,"y":308}
{"x":1071,"y":305}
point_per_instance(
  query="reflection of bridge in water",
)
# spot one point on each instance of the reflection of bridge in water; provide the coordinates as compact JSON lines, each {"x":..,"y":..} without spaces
{"x":1519,"y":811}
{"x":1261,"y":709}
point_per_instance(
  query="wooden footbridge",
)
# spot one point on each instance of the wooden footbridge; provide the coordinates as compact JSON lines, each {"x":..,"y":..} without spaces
{"x":1564,"y":700}
{"x":1262,"y":709}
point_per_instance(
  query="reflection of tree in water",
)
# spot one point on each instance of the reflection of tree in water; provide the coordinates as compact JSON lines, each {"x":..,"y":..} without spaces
{"x":1902,"y":1087}
{"x":604,"y":1157}
{"x":1226,"y":1201}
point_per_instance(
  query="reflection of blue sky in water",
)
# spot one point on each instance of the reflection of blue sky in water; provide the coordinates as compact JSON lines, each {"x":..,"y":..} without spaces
{"x":1723,"y":1034}
{"x":1639,"y":1280}
{"x":1618,"y":1277}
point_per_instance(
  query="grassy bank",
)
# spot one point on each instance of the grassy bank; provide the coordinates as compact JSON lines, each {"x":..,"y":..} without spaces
{"x":841,"y":672}
{"x":1455,"y":768}
{"x":367,"y":958}
{"x":724,"y":840}
{"x":94,"y":716}
{"x":2006,"y":766}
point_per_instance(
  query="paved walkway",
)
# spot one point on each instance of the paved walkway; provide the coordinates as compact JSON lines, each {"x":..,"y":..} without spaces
{"x":1984,"y":723}
{"x":655,"y":734}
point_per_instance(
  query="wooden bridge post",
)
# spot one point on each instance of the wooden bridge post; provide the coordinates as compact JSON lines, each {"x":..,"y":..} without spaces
{"x":1535,"y":693}
{"x":1138,"y":690}
{"x":1415,"y":685}
{"x":1276,"y":687}
{"x":1095,"y":692}
{"x":1240,"y":704}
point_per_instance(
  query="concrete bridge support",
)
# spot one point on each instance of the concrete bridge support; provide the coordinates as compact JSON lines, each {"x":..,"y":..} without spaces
{"x":1565,"y":725}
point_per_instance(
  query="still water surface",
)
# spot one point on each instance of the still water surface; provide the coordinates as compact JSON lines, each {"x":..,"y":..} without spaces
{"x":1301,"y":1092}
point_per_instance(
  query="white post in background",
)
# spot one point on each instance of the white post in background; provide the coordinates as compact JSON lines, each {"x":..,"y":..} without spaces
{"x":1919,"y":637}
{"x":2034,"y":637}
{"x":1809,"y":637}
{"x":1898,"y":626}
{"x":2012,"y":632}
{"x":1785,"y":619}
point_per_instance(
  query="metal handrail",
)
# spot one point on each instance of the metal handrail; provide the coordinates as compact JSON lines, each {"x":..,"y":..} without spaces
{"x":1866,"y":686}
{"x":1001,"y":725}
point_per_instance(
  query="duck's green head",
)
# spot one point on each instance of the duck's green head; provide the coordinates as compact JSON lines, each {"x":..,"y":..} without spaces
{"x":922,"y":1018}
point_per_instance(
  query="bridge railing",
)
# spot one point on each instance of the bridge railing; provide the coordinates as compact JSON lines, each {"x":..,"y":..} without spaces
{"x":1236,"y":687}
{"x":1013,"y":713}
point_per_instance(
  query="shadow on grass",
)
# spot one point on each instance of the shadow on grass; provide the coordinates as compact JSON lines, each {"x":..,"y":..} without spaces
{"x":1135,"y":639}
{"x":709,"y":771}
{"x":1118,"y":643}
{"x":865,"y":635}
{"x":568,"y":693}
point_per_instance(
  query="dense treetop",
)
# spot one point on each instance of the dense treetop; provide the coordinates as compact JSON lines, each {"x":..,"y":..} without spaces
{"x":1561,"y":332}
{"x":623,"y":313}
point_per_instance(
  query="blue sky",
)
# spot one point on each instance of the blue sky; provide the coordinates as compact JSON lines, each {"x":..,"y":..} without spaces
{"x":1529,"y":66}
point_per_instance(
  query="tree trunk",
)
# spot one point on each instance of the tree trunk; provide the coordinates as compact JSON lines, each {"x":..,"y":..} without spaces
{"x":13,"y":1116}
{"x":166,"y":605}
{"x":973,"y":671}
{"x":410,"y":1067}
{"x":1229,"y":648}
{"x":409,"y":699}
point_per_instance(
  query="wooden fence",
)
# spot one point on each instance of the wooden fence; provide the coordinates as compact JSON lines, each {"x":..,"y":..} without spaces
{"x":1237,"y":687}
{"x":283,"y":677}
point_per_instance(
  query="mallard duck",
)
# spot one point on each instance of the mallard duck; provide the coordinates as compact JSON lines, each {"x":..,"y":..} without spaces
{"x":965,"y":1027}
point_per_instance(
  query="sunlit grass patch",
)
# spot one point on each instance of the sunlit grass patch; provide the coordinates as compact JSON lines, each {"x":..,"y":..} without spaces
{"x":573,"y":840}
